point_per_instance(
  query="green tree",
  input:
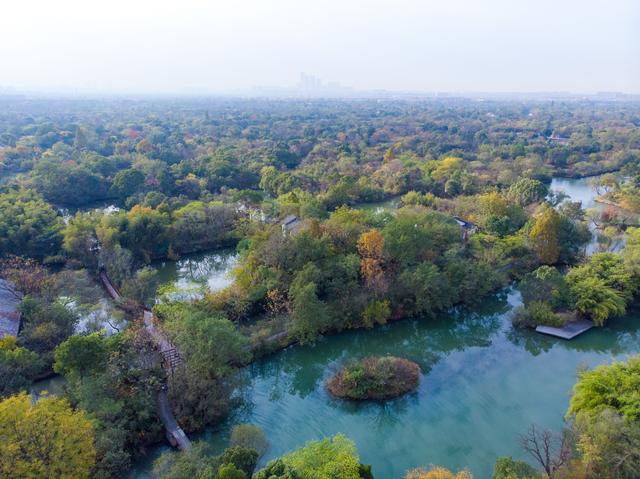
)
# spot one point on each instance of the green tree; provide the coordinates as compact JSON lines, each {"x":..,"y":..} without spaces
{"x":18,"y":366}
{"x":328,"y":458}
{"x":80,"y":355}
{"x":212,"y":348}
{"x":277,"y":469}
{"x":610,"y":446}
{"x":508,"y":468}
{"x":425,"y":290}
{"x":526,"y":191}
{"x":45,"y":325}
{"x":595,"y":299}
{"x":145,"y":233}
{"x":242,"y":458}
{"x":45,"y":440}
{"x":437,"y":472}
{"x":142,"y":286}
{"x":606,"y":407}
{"x":29,"y":226}
{"x":229,"y":471}
{"x":249,"y":436}
{"x":376,"y":312}
{"x":68,"y":183}
{"x":194,"y":464}
{"x":614,"y":386}
{"x":608,"y":267}
{"x":310,"y":315}
{"x":545,"y":284}
{"x":80,"y":240}
{"x":118,"y":390}
{"x":126,"y":183}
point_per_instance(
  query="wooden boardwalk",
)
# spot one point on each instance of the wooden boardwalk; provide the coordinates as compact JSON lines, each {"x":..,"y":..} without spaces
{"x":175,"y":434}
{"x":113,"y":292}
{"x":569,"y":331}
{"x":170,"y":358}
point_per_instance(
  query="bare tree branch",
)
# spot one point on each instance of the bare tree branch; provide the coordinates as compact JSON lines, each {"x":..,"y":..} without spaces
{"x":551,"y":451}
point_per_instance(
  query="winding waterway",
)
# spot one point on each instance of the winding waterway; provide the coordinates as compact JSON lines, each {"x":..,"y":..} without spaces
{"x":483,"y":383}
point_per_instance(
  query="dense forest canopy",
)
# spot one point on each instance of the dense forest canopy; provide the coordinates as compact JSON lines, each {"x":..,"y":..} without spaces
{"x":100,"y":190}
{"x":79,"y":151}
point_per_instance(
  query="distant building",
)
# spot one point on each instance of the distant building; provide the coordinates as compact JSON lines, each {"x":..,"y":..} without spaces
{"x":291,"y":224}
{"x":467,"y":228}
{"x":9,"y":314}
{"x":558,"y":140}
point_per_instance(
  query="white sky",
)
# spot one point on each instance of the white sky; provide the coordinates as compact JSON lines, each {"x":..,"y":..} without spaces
{"x":216,"y":46}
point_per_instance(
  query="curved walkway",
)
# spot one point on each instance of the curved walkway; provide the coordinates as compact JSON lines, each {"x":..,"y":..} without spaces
{"x":175,"y":434}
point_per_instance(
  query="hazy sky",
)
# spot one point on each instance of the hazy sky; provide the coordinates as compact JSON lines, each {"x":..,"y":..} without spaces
{"x":197,"y":46}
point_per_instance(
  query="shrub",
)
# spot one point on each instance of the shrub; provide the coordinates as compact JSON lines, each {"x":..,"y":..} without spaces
{"x":436,"y":472}
{"x":376,"y":312}
{"x":329,"y":458}
{"x":375,"y":378}
{"x":536,"y":313}
{"x":613,"y":386}
{"x":276,"y":470}
{"x":249,"y":436}
{"x":242,"y":458}
{"x":229,"y":471}
{"x":507,"y":468}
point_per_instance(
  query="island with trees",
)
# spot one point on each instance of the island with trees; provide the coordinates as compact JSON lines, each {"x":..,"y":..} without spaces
{"x":375,"y":377}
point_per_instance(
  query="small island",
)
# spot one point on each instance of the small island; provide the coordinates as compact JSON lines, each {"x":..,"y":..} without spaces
{"x":375,"y":377}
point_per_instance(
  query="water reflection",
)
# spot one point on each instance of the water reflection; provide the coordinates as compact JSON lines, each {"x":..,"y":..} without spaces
{"x":301,"y":370}
{"x":483,"y":383}
{"x":190,"y":276}
{"x":620,"y":336}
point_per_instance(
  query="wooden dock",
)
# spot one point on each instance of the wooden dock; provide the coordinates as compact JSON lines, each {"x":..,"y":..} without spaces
{"x":569,"y":331}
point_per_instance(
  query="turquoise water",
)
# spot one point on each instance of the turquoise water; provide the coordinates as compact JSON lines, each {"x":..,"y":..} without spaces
{"x":581,"y":190}
{"x":483,"y":383}
{"x":192,"y":274}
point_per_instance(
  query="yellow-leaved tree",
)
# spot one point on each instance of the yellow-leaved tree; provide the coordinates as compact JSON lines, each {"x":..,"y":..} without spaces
{"x":544,"y":235}
{"x":44,"y":440}
{"x":437,"y":472}
{"x":371,"y":249}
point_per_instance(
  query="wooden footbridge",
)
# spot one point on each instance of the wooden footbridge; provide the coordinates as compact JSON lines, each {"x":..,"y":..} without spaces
{"x":170,"y":360}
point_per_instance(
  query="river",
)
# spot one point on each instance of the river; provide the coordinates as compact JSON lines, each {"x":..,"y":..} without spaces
{"x":483,"y":383}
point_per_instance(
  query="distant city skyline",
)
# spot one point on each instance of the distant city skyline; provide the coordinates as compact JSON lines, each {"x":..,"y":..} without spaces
{"x":196,"y":47}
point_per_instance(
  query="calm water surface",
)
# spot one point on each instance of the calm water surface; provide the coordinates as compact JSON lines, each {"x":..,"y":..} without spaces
{"x":380,"y":206}
{"x":581,"y":190}
{"x":483,"y":384}
{"x":192,"y":274}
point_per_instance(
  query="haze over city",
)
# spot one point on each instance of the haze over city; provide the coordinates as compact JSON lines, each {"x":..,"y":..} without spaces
{"x":250,"y":46}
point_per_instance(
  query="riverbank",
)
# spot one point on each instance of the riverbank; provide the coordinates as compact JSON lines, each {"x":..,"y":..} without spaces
{"x":578,"y":176}
{"x":482,"y":384}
